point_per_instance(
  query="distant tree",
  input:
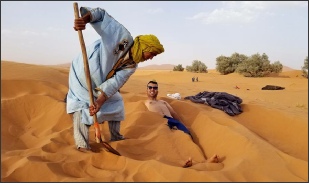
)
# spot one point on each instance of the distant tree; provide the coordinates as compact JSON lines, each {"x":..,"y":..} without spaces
{"x":178,"y":68}
{"x":258,"y":66}
{"x":197,"y":66}
{"x":276,"y":67}
{"x":223,"y":65}
{"x":237,"y":58}
{"x":305,"y":67}
{"x":227,"y":65}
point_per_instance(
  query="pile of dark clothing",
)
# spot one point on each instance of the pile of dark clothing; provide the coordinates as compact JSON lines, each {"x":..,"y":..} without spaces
{"x":228,"y":103}
{"x":272,"y":87}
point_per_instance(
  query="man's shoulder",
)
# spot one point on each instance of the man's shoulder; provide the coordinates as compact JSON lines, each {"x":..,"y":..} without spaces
{"x":147,"y":102}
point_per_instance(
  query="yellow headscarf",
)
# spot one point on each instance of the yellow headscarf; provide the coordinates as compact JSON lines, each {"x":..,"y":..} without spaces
{"x":145,"y":43}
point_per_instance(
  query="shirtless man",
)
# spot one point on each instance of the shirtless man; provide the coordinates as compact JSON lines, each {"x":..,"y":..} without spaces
{"x":166,"y":110}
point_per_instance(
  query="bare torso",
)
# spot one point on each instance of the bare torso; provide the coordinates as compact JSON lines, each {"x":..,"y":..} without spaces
{"x":158,"y":106}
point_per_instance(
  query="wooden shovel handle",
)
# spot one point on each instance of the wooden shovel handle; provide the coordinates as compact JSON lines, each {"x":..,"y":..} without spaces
{"x":86,"y":68}
{"x":87,"y":73}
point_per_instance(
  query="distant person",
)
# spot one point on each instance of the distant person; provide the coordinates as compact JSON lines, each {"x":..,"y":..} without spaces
{"x":193,"y":79}
{"x":196,"y":79}
{"x":166,"y":111}
{"x":113,"y":58}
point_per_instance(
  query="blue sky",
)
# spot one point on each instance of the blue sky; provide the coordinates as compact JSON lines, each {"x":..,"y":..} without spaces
{"x":42,"y":32}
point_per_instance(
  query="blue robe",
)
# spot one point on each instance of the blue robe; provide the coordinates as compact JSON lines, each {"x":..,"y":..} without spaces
{"x":102,"y":56}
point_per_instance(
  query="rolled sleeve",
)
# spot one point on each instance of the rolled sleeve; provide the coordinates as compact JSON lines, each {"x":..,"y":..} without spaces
{"x":113,"y":84}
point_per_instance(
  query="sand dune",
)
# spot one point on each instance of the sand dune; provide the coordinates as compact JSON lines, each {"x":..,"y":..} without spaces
{"x":158,"y":67}
{"x":267,"y":142}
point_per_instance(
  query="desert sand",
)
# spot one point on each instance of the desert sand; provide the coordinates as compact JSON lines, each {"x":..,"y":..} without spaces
{"x":267,"y":142}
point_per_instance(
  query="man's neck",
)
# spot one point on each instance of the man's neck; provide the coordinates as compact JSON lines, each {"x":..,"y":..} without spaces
{"x":152,"y":99}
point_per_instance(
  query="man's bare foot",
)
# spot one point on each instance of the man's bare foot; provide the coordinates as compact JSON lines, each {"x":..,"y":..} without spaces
{"x":213,"y":159}
{"x":188,"y":163}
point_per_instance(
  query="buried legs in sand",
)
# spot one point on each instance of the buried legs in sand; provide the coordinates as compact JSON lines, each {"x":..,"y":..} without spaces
{"x":184,"y":146}
{"x":213,"y":159}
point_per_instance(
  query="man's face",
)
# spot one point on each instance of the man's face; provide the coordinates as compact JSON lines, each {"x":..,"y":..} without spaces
{"x":152,"y":90}
{"x":148,"y":55}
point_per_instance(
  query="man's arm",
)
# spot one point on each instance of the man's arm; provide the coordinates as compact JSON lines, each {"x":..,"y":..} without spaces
{"x":113,"y":84}
{"x":110,"y":87}
{"x":173,"y":113}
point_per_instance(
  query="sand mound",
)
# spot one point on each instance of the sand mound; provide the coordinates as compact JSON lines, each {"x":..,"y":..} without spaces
{"x":267,"y":142}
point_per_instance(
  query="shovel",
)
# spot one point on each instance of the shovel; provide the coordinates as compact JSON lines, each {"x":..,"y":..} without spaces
{"x":98,"y":138}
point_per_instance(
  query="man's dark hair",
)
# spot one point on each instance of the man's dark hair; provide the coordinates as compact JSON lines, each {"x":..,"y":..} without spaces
{"x":153,"y":82}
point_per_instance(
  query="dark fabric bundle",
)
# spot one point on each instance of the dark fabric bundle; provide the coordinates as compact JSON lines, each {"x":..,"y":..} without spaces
{"x":272,"y":87}
{"x":228,"y":103}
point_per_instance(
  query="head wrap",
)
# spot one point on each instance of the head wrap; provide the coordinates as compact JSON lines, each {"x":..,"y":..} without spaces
{"x":145,"y":43}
